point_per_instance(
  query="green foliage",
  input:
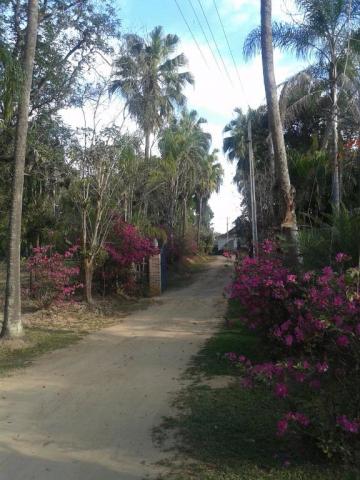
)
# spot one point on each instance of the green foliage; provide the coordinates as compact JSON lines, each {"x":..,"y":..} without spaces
{"x":225,"y":429}
{"x":150,"y":78}
{"x":320,"y":245}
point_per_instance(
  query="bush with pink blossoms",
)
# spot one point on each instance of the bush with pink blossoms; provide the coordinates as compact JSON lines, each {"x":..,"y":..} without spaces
{"x":310,"y":325}
{"x":54,"y":276}
{"x":126,"y":246}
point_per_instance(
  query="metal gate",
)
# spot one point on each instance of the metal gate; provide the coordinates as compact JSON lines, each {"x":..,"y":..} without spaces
{"x":164,"y":270}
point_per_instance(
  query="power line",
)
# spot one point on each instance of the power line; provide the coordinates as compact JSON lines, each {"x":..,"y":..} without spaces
{"x":204,"y":33}
{"x":192,"y":34}
{"x":214,"y":40}
{"x":229,"y":47}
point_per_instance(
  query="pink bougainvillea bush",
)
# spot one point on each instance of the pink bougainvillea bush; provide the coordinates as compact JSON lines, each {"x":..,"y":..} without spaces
{"x":54,"y":276}
{"x":126,"y":247}
{"x":310,"y":325}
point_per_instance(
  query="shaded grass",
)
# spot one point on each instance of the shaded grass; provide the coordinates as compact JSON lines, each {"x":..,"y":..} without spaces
{"x":20,"y":353}
{"x":228,"y":433}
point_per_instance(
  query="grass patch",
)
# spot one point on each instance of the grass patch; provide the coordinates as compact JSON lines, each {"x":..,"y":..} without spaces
{"x":16,"y":354}
{"x":228,"y":433}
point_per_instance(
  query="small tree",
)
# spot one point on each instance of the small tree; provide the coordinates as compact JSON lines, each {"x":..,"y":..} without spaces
{"x":12,"y":326}
{"x":97,"y":191}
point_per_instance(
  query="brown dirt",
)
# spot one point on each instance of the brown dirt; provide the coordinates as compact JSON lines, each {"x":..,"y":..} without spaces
{"x":87,"y":412}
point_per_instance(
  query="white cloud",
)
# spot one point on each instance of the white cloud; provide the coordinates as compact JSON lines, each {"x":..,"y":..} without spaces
{"x":241,"y":10}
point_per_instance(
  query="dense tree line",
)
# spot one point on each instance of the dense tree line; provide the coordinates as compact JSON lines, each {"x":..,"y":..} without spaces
{"x":318,"y":117}
{"x":77,"y":182}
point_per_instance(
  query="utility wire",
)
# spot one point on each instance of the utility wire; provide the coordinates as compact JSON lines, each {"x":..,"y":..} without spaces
{"x":230,"y":49}
{"x":191,"y":33}
{"x":204,"y":33}
{"x":214,"y":40}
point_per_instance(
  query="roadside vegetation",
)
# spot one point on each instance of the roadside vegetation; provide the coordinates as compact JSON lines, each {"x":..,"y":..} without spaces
{"x":226,"y":431}
{"x":89,"y":204}
{"x":275,"y":394}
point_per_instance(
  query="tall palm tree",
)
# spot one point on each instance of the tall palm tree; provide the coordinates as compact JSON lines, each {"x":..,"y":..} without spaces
{"x":328,"y":35}
{"x":12,"y":325}
{"x":151,"y":79}
{"x":235,"y":146}
{"x":289,"y":223}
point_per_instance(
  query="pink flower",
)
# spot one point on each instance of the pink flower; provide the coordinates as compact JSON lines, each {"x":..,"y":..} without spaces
{"x":291,"y":278}
{"x":281,"y":390}
{"x":343,"y":341}
{"x":308,"y":276}
{"x":289,"y":339}
{"x":299,"y":377}
{"x":322,"y":367}
{"x":351,"y":426}
{"x":342,"y":257}
{"x":302,"y":419}
{"x":282,"y":426}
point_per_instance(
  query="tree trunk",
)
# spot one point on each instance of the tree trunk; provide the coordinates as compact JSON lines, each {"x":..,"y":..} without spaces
{"x":147,"y":146}
{"x":199,"y":221}
{"x":336,"y":189}
{"x":12,"y":326}
{"x":89,"y":273}
{"x":184,"y":217}
{"x":289,"y":223}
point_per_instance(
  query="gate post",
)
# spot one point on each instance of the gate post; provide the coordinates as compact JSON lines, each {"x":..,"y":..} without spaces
{"x":155,"y":274}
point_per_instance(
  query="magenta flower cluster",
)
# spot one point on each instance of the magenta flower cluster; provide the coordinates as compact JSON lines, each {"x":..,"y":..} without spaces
{"x":311,"y":324}
{"x":54,"y":276}
{"x":127,"y":245}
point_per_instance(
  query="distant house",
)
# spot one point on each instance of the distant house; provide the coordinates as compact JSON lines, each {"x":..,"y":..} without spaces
{"x":228,"y":241}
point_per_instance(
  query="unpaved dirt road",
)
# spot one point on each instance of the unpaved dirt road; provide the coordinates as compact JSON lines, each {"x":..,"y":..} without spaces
{"x":87,"y":412}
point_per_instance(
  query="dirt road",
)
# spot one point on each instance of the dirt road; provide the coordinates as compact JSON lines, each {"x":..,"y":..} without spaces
{"x":87,"y":412}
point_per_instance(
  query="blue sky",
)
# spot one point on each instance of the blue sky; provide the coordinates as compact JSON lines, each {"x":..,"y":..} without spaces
{"x":213,"y":96}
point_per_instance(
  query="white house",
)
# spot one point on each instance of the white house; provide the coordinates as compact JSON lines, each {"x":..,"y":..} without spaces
{"x":227,"y":241}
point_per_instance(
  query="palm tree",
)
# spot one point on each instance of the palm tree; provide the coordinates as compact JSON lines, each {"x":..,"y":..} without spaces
{"x":235,"y":146}
{"x":183,"y":146}
{"x":289,"y":223}
{"x":151,"y":80}
{"x":12,"y":325}
{"x":210,"y":180}
{"x":329,"y":35}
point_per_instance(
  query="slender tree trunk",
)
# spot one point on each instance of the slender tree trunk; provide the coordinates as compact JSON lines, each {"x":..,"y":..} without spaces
{"x":12,"y":326}
{"x":199,"y":220}
{"x":273,"y":176}
{"x":184,"y":216}
{"x":89,"y":273}
{"x":289,"y":223}
{"x":254,"y":219}
{"x":147,"y":146}
{"x":336,"y":189}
